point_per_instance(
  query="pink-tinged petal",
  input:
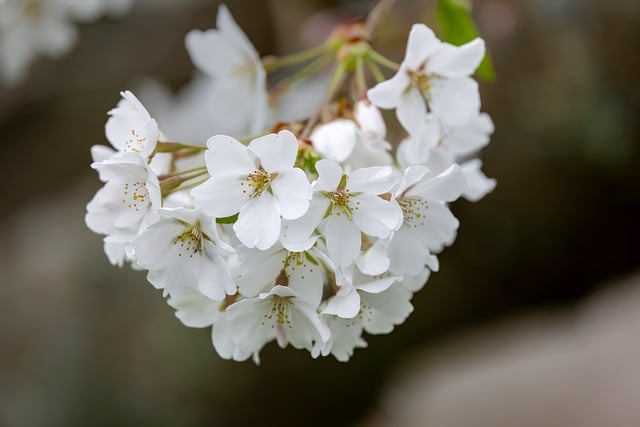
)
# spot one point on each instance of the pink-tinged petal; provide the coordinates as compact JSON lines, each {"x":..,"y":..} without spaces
{"x":343,"y":240}
{"x":227,"y":157}
{"x":457,"y":61}
{"x":221,"y":197}
{"x":335,"y":140}
{"x":387,"y":94}
{"x":421,"y":45}
{"x":259,"y":221}
{"x":371,"y":180}
{"x":346,"y":306}
{"x":376,"y":216}
{"x":330,"y":174}
{"x":293,"y":192}
{"x":447,"y":186}
{"x":212,"y":53}
{"x":276,"y":152}
{"x":455,"y":101}
{"x":411,"y":111}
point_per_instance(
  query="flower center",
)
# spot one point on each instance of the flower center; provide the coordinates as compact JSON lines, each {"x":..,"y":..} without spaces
{"x":256,"y":182}
{"x":340,"y":202}
{"x":413,"y":210}
{"x":135,"y":142}
{"x":191,"y":241}
{"x":280,"y":310}
{"x":135,"y":195}
{"x":420,"y":80}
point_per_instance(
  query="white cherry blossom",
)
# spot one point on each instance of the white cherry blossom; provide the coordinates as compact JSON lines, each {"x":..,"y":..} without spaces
{"x":437,"y":73}
{"x":259,"y":182}
{"x":227,"y":56}
{"x":280,"y":314}
{"x":182,"y":251}
{"x":130,"y":128}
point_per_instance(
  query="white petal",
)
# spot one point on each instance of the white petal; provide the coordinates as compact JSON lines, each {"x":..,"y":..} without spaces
{"x":375,"y":216}
{"x":335,"y":140}
{"x":211,"y":52}
{"x":296,"y":233}
{"x":411,"y":110}
{"x":478,"y":185}
{"x":276,"y":152}
{"x":455,"y":101}
{"x":387,"y":94}
{"x":293,"y":192}
{"x":343,"y":240}
{"x":407,"y":253}
{"x":221,"y":197}
{"x":258,"y":269}
{"x":381,"y":312}
{"x":421,"y":45}
{"x":330,"y":174}
{"x":259,"y":221}
{"x":371,"y":180}
{"x":227,"y":157}
{"x":375,"y":260}
{"x":446,"y":186}
{"x":194,"y":309}
{"x":306,"y":279}
{"x":457,"y":61}
{"x":345,"y":306}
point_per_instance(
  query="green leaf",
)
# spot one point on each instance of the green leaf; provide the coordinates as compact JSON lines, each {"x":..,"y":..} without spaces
{"x":228,"y":219}
{"x":457,"y":27}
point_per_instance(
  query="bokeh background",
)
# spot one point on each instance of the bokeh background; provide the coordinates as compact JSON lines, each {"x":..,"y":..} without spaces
{"x":534,"y":318}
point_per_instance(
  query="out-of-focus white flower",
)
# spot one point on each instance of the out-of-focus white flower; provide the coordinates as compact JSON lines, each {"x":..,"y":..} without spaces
{"x":227,"y":56}
{"x":90,"y":10}
{"x":31,"y":28}
{"x":437,"y":73}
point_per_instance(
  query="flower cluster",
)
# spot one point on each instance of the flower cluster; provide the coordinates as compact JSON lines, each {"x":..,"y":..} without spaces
{"x":30,"y":28}
{"x":310,"y":231}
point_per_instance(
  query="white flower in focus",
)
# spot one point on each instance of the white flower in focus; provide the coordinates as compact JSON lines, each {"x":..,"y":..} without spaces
{"x":280,"y":314}
{"x":130,"y":128}
{"x":346,"y":302}
{"x":259,"y":182}
{"x":344,"y":206}
{"x":227,"y":56}
{"x":437,"y":73}
{"x":125,"y":204}
{"x":428,"y":224}
{"x":182,"y":251}
{"x":260,"y":269}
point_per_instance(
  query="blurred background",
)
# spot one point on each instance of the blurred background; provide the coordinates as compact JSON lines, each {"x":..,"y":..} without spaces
{"x":534,"y":318}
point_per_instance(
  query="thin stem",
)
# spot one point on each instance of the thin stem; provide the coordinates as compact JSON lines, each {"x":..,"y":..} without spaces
{"x":272,"y":63}
{"x":334,"y":84}
{"x":171,"y":147}
{"x":306,"y":72}
{"x":375,"y":70}
{"x":384,"y":61}
{"x":188,"y":171}
{"x":378,"y":11}
{"x":186,"y":187}
{"x":361,"y":81}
